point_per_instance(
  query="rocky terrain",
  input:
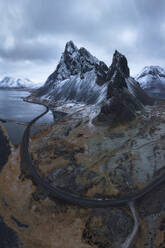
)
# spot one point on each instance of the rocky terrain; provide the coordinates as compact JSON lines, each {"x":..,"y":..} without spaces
{"x":92,"y":161}
{"x":80,"y":78}
{"x":152,"y":80}
{"x":107,"y":149}
{"x":8,"y":237}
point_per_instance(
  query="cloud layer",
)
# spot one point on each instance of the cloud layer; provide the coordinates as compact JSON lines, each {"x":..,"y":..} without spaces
{"x":33,"y":33}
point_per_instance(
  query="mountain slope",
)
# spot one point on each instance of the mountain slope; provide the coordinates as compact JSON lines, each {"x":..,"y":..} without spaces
{"x":18,"y":83}
{"x":82,"y":78}
{"x":79,"y":76}
{"x":152,"y":80}
{"x":124,"y":95}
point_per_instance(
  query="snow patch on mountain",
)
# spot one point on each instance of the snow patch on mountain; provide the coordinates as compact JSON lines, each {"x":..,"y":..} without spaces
{"x":72,"y":62}
{"x":18,"y":83}
{"x":79,"y":76}
{"x":106,"y":94}
{"x":84,"y":90}
{"x":152,"y":80}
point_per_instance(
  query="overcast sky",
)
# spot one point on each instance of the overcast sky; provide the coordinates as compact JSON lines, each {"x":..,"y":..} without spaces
{"x":33,"y":33}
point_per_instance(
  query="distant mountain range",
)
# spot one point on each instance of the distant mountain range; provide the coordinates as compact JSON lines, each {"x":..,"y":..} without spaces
{"x":18,"y":83}
{"x":82,"y":78}
{"x":152,"y":80}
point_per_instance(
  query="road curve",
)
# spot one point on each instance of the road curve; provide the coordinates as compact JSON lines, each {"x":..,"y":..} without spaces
{"x":27,"y":168}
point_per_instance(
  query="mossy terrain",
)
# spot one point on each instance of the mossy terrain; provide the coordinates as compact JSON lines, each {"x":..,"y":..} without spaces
{"x":91,"y":161}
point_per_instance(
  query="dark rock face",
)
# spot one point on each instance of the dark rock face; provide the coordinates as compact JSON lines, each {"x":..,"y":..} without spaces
{"x":139,"y":93}
{"x":101,"y":71}
{"x":8,"y":237}
{"x":119,"y":63}
{"x":117,"y":83}
{"x":80,"y":77}
{"x":58,"y":115}
{"x":79,"y":61}
{"x":107,"y":227}
{"x":121,"y":108}
{"x":75,"y":61}
{"x":4,"y":149}
{"x":121,"y":104}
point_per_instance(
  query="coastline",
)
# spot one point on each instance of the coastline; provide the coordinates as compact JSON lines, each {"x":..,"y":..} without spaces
{"x":19,"y":89}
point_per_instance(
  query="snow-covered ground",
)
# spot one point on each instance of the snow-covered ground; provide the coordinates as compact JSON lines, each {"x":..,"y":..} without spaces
{"x":79,"y":77}
{"x":18,"y":83}
{"x":152,"y":80}
{"x":81,"y":90}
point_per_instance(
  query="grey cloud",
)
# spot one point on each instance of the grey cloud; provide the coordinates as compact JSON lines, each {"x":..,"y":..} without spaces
{"x":54,"y":17}
{"x":32,"y":50}
{"x":134,"y":27}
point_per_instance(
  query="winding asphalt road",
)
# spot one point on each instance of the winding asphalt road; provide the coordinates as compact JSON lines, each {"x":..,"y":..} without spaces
{"x":28,"y":169}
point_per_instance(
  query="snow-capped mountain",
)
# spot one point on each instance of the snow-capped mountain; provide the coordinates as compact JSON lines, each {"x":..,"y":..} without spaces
{"x":79,"y":76}
{"x":124,"y":94}
{"x":82,"y":78}
{"x":152,"y":80}
{"x":18,"y":83}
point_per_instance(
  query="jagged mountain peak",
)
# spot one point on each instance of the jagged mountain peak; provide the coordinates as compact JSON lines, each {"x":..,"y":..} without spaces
{"x":119,"y":62}
{"x":124,"y":95}
{"x":117,"y":74}
{"x":76,"y":61}
{"x":80,"y":77}
{"x":70,"y":47}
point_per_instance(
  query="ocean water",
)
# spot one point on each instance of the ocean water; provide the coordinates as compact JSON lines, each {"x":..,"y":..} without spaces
{"x":12,"y":107}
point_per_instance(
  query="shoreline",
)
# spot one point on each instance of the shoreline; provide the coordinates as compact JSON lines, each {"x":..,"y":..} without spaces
{"x":18,"y":89}
{"x":7,"y":123}
{"x":23,"y":123}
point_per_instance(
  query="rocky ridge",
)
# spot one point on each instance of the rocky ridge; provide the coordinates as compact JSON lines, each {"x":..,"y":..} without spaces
{"x":124,"y":95}
{"x":81,"y":78}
